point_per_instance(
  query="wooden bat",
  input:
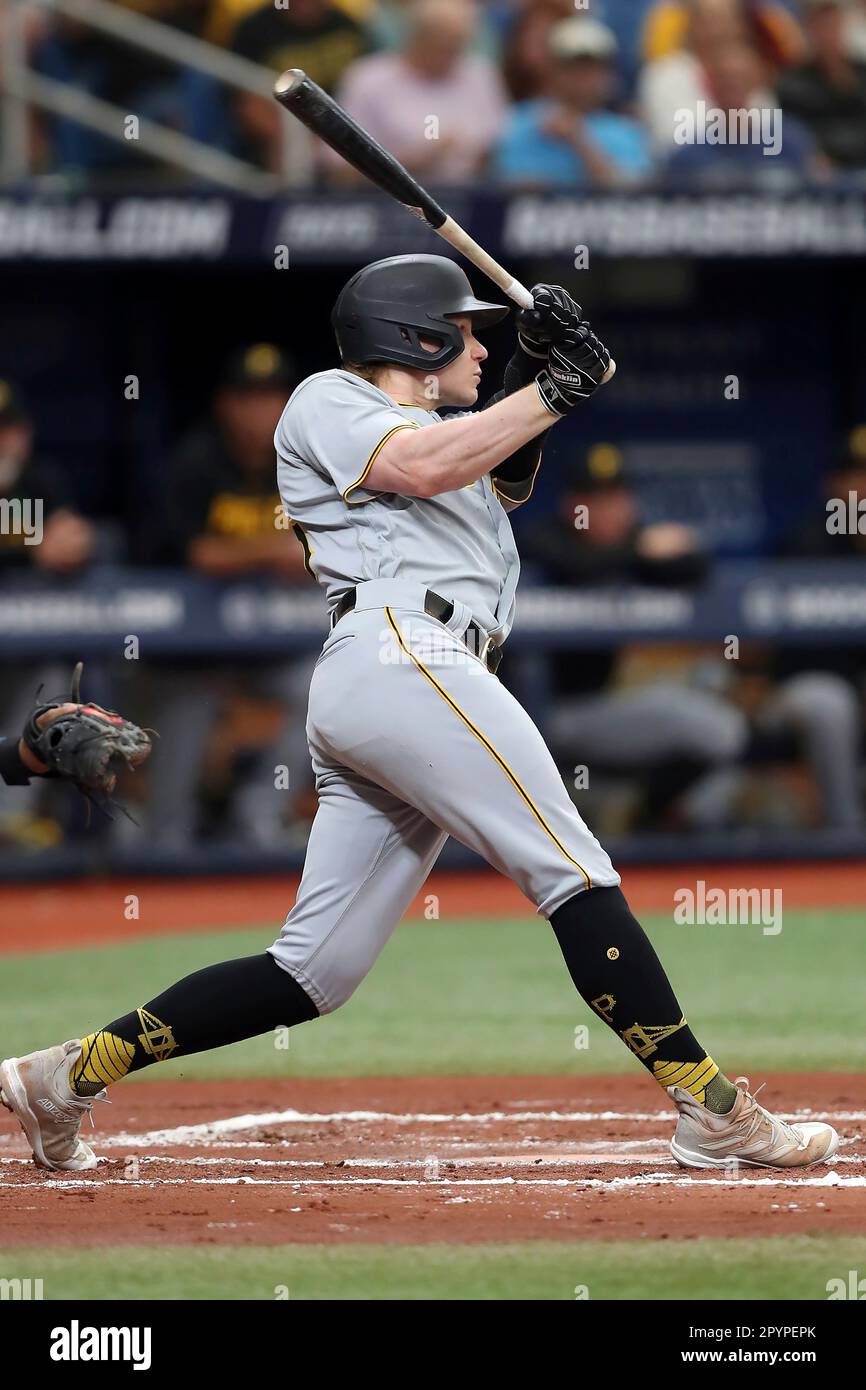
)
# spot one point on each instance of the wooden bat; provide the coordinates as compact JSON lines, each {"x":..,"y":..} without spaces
{"x":320,"y":113}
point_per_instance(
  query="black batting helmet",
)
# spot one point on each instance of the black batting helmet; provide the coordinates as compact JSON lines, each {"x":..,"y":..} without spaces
{"x":381,"y":312}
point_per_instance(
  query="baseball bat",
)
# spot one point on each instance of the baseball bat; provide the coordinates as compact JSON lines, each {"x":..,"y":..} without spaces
{"x":318,"y":111}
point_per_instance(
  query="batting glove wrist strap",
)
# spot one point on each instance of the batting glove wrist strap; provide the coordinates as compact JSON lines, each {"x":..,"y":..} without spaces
{"x":550,"y":396}
{"x":578,"y":366}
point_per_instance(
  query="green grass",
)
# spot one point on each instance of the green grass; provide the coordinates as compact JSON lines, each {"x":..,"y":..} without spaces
{"x":795,"y":1268}
{"x":481,"y":996}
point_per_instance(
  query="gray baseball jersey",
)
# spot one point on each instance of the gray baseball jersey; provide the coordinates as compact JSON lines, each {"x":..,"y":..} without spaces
{"x":412,"y":738}
{"x":459,"y":543}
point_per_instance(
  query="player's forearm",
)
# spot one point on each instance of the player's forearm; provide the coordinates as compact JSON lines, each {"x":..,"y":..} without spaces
{"x":455,"y":453}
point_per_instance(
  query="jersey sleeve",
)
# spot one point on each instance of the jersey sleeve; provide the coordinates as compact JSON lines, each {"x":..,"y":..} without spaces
{"x":339,"y":426}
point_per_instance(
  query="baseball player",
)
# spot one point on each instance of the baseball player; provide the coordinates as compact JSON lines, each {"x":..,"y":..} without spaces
{"x":404,"y":519}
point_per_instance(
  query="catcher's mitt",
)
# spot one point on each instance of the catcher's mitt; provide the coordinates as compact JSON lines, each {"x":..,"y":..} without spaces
{"x":87,"y":745}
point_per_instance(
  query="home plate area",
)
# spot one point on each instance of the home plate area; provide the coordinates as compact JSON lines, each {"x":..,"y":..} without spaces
{"x":418,"y":1158}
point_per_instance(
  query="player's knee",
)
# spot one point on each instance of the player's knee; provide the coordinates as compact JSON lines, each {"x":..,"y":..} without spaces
{"x":339,"y":992}
{"x":714,"y":731}
{"x":819,"y":697}
{"x":329,"y":990}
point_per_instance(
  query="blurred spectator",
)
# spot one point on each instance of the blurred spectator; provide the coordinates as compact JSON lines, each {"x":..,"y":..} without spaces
{"x":855,"y":28}
{"x":389,"y":24}
{"x":805,"y":725}
{"x":59,"y":540}
{"x":527,"y":60}
{"x":828,"y":93}
{"x":567,"y":139}
{"x":224,"y":16}
{"x":434,"y":105}
{"x":314,"y":35}
{"x":678,"y":80}
{"x":687,"y":739}
{"x":225,"y":520}
{"x":223,"y":504}
{"x":39,"y":528}
{"x":311,"y":34}
{"x":839,"y":528}
{"x":152,"y":88}
{"x":736,"y":76}
{"x":773,"y":28}
{"x":665,"y":732}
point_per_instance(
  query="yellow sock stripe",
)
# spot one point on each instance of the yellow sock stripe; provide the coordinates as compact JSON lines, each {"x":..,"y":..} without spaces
{"x":120,"y":1052}
{"x":675,"y":1073}
{"x":123,"y":1050}
{"x":683,"y":1073}
{"x":79,"y":1067}
{"x":96,"y":1062}
{"x":693,"y":1077}
{"x":105,"y":1063}
{"x":486,"y":743}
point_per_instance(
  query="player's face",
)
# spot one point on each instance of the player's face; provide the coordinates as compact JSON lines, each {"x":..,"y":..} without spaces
{"x":457,"y":384}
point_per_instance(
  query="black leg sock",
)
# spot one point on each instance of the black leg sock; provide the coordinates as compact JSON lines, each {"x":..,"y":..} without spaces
{"x":615,"y":969}
{"x":221,"y":1004}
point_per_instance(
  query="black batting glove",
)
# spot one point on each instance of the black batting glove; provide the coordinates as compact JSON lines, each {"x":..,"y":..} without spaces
{"x":553,"y":316}
{"x":575,"y":370}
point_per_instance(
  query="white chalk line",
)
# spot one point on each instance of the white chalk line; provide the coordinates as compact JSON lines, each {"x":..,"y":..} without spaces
{"x":182,"y":1134}
{"x":613,"y":1155}
{"x":830,"y":1180}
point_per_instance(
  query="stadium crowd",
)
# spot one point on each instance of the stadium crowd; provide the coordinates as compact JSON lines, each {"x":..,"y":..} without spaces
{"x":519,"y":93}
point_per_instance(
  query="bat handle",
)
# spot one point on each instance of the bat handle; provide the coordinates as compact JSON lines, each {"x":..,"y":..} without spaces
{"x":75,"y":690}
{"x":519,"y":293}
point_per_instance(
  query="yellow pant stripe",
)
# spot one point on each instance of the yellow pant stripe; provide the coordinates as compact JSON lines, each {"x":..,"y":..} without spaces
{"x":487,"y":744}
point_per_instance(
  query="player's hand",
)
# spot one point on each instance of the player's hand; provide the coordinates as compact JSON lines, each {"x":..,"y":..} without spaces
{"x":29,"y":759}
{"x":553,"y":316}
{"x":575,"y":370}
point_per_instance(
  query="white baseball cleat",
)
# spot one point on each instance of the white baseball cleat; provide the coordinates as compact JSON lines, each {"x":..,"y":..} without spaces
{"x":36,"y":1089}
{"x":748,"y":1134}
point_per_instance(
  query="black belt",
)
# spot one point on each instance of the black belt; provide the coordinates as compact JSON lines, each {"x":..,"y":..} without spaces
{"x":441,"y":609}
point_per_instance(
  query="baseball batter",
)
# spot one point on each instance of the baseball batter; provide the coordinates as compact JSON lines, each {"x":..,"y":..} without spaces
{"x":403,"y":515}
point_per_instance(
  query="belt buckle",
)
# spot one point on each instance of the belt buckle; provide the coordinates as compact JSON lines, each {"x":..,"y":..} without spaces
{"x":490,"y":655}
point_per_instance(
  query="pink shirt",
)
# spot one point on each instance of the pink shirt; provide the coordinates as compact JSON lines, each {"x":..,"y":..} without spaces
{"x":395,"y":104}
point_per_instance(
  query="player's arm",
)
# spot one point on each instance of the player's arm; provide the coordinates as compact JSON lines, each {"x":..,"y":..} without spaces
{"x":17,"y":762}
{"x":554,"y":318}
{"x":562,"y":362}
{"x":514,"y":478}
{"x":424,"y":463}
